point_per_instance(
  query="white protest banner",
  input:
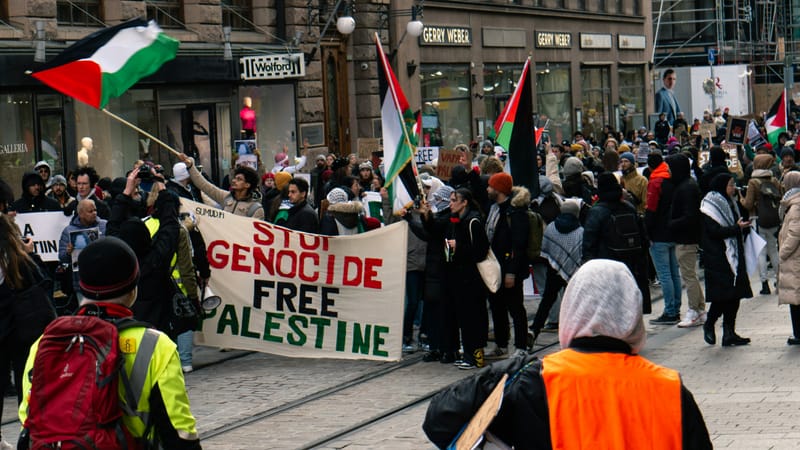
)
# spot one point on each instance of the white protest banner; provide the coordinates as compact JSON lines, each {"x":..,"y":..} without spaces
{"x":426,"y":155}
{"x":303,"y":295}
{"x":45,"y":230}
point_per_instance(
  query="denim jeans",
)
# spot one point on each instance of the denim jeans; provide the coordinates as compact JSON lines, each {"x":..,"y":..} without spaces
{"x":770,"y":249}
{"x":666,"y":263}
{"x":185,"y":346}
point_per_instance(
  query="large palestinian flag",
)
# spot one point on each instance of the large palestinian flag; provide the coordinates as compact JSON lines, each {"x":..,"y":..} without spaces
{"x":397,"y":121}
{"x":108,"y":62}
{"x":775,"y":122}
{"x":515,"y":133}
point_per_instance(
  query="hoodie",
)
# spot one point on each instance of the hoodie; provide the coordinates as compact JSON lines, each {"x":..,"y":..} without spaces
{"x":685,"y":223}
{"x":28,"y":203}
{"x":660,"y":191}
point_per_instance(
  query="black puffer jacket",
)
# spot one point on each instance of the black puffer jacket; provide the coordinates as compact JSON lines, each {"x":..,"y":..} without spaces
{"x":685,"y":223}
{"x":28,"y":203}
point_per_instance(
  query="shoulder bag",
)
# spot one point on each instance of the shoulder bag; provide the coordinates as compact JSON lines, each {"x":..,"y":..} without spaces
{"x":489,"y":268}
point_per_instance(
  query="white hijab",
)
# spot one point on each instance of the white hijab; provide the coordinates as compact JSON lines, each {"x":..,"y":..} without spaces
{"x":602,"y":299}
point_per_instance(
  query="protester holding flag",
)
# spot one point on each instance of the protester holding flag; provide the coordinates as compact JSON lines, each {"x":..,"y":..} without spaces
{"x":466,"y":244}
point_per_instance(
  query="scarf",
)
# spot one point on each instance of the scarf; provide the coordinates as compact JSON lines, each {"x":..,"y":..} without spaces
{"x":782,"y":208}
{"x":563,"y":250}
{"x":718,"y":208}
{"x":491,"y":221}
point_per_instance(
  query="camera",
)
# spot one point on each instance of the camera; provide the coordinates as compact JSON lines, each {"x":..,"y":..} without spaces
{"x":144,"y":172}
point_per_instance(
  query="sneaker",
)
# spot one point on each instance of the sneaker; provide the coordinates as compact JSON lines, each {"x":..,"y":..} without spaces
{"x":465,"y":365}
{"x":519,"y":353}
{"x":692,"y":319}
{"x":432,"y":356}
{"x":702,"y":318}
{"x":477,"y":355}
{"x":189,"y":368}
{"x":665,"y":319}
{"x":409,"y":348}
{"x":551,"y":327}
{"x":496,"y":353}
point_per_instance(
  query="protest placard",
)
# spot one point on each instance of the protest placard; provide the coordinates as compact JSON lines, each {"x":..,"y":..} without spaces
{"x":45,"y":229}
{"x":303,"y":295}
{"x":447,"y":160}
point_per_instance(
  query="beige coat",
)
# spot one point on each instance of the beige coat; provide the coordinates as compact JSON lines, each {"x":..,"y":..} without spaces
{"x":789,"y":253}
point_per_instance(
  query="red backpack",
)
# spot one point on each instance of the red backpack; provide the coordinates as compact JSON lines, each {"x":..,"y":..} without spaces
{"x":74,"y":401}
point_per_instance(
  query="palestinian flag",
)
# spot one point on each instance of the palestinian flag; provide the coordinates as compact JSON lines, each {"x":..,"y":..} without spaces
{"x":108,"y":62}
{"x":515,"y":133}
{"x":775,"y":123}
{"x":397,"y":121}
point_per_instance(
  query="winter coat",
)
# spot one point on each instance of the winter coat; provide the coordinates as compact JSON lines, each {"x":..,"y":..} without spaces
{"x":660,"y":191}
{"x":685,"y":224}
{"x":594,"y":246}
{"x":510,"y":240}
{"x":154,"y":296}
{"x":342,"y":219}
{"x":708,"y":175}
{"x":40,"y":203}
{"x":523,"y":420}
{"x":788,"y":244}
{"x":435,"y":227}
{"x":719,"y":278}
{"x":301,"y":218}
{"x":249,"y":207}
{"x":636,"y":185}
{"x":462,"y":271}
{"x":75,"y":225}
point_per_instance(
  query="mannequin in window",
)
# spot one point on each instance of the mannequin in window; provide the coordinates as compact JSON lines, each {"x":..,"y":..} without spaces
{"x":83,"y":153}
{"x":248,"y":117}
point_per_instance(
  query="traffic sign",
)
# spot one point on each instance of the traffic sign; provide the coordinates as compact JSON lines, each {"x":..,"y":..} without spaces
{"x":712,"y":53}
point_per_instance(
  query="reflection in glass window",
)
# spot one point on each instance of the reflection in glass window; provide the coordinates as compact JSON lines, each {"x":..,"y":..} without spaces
{"x":499,"y":82}
{"x":17,"y":147}
{"x":553,"y":99}
{"x":445,"y":105}
{"x":631,"y":96}
{"x":237,"y":14}
{"x":595,"y":101}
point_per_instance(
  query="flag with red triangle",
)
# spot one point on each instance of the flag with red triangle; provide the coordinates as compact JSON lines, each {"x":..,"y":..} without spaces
{"x":397,"y":123}
{"x":515,"y":133}
{"x":775,"y":123}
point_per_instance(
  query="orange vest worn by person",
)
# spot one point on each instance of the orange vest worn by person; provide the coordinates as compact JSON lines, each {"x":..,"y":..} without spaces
{"x":611,"y":401}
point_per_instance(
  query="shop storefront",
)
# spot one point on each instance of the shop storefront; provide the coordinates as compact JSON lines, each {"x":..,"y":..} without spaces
{"x":192,"y":104}
{"x":588,"y":71}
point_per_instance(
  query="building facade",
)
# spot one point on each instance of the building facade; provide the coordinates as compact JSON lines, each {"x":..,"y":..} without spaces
{"x":307,"y":81}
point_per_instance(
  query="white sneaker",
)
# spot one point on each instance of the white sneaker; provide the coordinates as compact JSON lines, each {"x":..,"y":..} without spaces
{"x":690,"y":320}
{"x":701,"y":319}
{"x":187,"y":369}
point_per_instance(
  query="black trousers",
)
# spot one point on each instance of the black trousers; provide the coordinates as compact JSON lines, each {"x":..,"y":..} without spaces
{"x":727,"y":309}
{"x":502,"y":303}
{"x":552,"y":286}
{"x":794,"y":314}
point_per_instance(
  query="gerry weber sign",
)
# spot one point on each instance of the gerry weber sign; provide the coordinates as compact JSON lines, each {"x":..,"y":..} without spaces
{"x":271,"y":67}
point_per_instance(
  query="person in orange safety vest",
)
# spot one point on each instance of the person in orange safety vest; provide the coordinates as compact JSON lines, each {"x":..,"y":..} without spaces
{"x":596,"y":393}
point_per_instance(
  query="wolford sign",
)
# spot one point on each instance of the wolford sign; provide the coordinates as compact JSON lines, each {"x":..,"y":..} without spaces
{"x":270,"y":67}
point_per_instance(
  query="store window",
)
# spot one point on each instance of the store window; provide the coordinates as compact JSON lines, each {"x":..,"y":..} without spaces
{"x":446,"y":113}
{"x":499,"y":82}
{"x":17,"y":149}
{"x":116,"y":147}
{"x":595,"y":102}
{"x":631,"y":97}
{"x":166,"y":13}
{"x":83,"y":13}
{"x":237,"y":14}
{"x":553,"y":101}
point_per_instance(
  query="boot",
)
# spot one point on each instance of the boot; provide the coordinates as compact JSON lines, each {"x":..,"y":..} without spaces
{"x":730,"y":338}
{"x":480,"y":362}
{"x":709,"y":335}
{"x":765,"y":288}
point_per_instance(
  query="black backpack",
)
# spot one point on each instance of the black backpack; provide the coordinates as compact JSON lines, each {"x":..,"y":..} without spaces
{"x":622,"y":235}
{"x":768,"y":202}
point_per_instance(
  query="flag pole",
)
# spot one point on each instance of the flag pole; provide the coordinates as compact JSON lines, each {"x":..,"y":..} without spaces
{"x":125,"y":122}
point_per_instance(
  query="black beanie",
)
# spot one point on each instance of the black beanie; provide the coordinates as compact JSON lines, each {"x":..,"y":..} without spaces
{"x":107,"y":269}
{"x":654,"y":159}
{"x":608,"y":188}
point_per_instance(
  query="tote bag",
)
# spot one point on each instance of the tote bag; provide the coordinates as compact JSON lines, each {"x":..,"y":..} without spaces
{"x":489,"y":268}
